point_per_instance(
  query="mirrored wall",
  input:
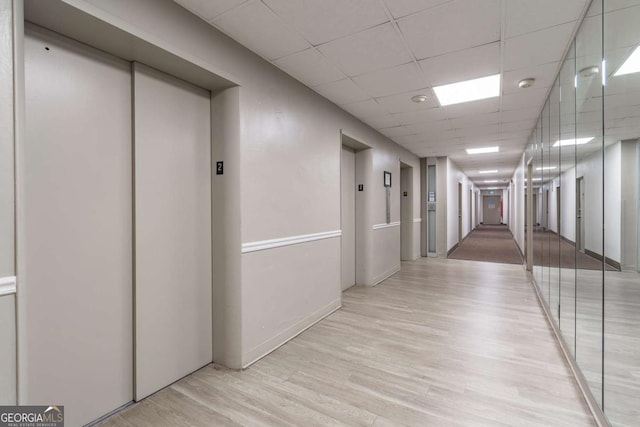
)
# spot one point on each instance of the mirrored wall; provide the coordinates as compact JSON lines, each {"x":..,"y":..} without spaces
{"x":585,"y":159}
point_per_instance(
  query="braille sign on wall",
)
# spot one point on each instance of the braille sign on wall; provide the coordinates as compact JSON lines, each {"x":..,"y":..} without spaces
{"x":219,"y":168}
{"x":360,"y":187}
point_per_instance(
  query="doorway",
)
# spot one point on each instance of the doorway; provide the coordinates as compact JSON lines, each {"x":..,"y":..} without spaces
{"x":491,"y":210}
{"x":546,"y":210}
{"x":406,"y":212}
{"x":459,"y":213}
{"x":348,"y":216}
{"x":580,"y":217}
{"x":558,"y":218}
{"x":470,"y":210}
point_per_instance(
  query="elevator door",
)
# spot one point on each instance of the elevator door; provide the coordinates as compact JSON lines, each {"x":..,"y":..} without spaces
{"x":173,"y":229}
{"x":348,"y":214}
{"x":76,"y":235}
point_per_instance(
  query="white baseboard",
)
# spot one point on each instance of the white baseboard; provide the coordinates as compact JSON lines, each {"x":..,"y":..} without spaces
{"x":261,"y":350}
{"x":385,"y":275}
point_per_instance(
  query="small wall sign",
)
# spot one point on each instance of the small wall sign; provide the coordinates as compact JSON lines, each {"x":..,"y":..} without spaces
{"x":387,"y":179}
{"x":219,"y":168}
{"x":405,"y":194}
{"x":360,"y":187}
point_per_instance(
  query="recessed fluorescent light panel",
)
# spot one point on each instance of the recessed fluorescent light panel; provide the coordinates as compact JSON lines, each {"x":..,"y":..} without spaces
{"x":483,"y":150}
{"x":469,"y":90}
{"x":545,"y":168}
{"x":490,"y":181}
{"x":631,"y":65}
{"x":577,"y":141}
{"x":489,"y":171}
{"x":492,"y":188}
{"x":536,"y":179}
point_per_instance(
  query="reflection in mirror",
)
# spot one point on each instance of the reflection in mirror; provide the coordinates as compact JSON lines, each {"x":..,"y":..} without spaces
{"x":567,"y":234}
{"x":553,"y":191}
{"x":537,"y":205}
{"x":543,"y":200}
{"x":589,"y":199}
{"x":622,"y":282}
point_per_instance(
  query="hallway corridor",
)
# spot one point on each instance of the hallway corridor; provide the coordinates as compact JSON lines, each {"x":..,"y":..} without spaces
{"x":441,"y":343}
{"x":489,"y":243}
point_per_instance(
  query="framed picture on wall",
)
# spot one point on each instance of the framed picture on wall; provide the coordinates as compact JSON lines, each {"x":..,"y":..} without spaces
{"x":387,"y":179}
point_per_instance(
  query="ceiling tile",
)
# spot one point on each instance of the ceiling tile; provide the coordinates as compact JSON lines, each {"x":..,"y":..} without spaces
{"x":367,"y":108}
{"x":453,"y":26}
{"x":394,"y":131}
{"x":466,"y":64}
{"x":402,"y":103}
{"x":310,"y":67}
{"x":326,"y":20}
{"x":526,"y":125}
{"x":421,"y":116}
{"x":537,"y":48}
{"x":401,"y":8}
{"x":341,"y":92}
{"x":369,"y":50}
{"x":207,"y":9}
{"x":526,"y":16}
{"x":382,"y":122}
{"x":256,"y":27}
{"x":476,"y":119}
{"x":521,"y":114}
{"x":430,"y":127}
{"x":524,"y":98}
{"x":390,"y":81}
{"x":544,"y":74}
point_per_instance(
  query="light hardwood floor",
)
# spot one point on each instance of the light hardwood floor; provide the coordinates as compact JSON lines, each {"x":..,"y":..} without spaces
{"x":442,"y":343}
{"x":621,"y":329}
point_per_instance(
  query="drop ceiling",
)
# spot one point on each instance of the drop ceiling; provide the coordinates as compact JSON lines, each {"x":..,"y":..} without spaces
{"x":371,"y":56}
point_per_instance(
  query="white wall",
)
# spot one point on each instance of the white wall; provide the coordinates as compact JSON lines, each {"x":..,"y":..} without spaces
{"x":6,"y":142}
{"x":290,"y":161}
{"x":7,"y":350}
{"x":7,"y":229}
{"x":455,"y":176}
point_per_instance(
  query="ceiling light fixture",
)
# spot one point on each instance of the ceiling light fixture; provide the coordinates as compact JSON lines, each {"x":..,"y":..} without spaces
{"x":488,"y":171}
{"x":483,"y":150}
{"x":631,"y":65}
{"x":492,"y":188}
{"x":490,"y":181}
{"x":545,"y":168}
{"x":576,"y":141}
{"x":525,"y":83}
{"x":536,"y":179}
{"x":469,"y":90}
{"x":589,"y":71}
{"x":419,"y":98}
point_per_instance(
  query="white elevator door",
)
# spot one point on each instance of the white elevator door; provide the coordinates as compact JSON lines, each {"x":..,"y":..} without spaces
{"x":173,"y":229}
{"x":348,"y":182}
{"x":77,"y":229}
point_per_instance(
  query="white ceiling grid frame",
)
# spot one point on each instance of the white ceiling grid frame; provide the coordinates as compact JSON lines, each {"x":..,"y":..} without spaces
{"x":319,"y":34}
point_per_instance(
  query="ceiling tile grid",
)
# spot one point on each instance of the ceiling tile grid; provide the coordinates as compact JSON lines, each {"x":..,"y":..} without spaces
{"x":371,"y":57}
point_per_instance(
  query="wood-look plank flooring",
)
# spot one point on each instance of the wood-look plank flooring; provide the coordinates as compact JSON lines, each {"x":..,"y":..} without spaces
{"x":621,"y":390}
{"x":442,"y":343}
